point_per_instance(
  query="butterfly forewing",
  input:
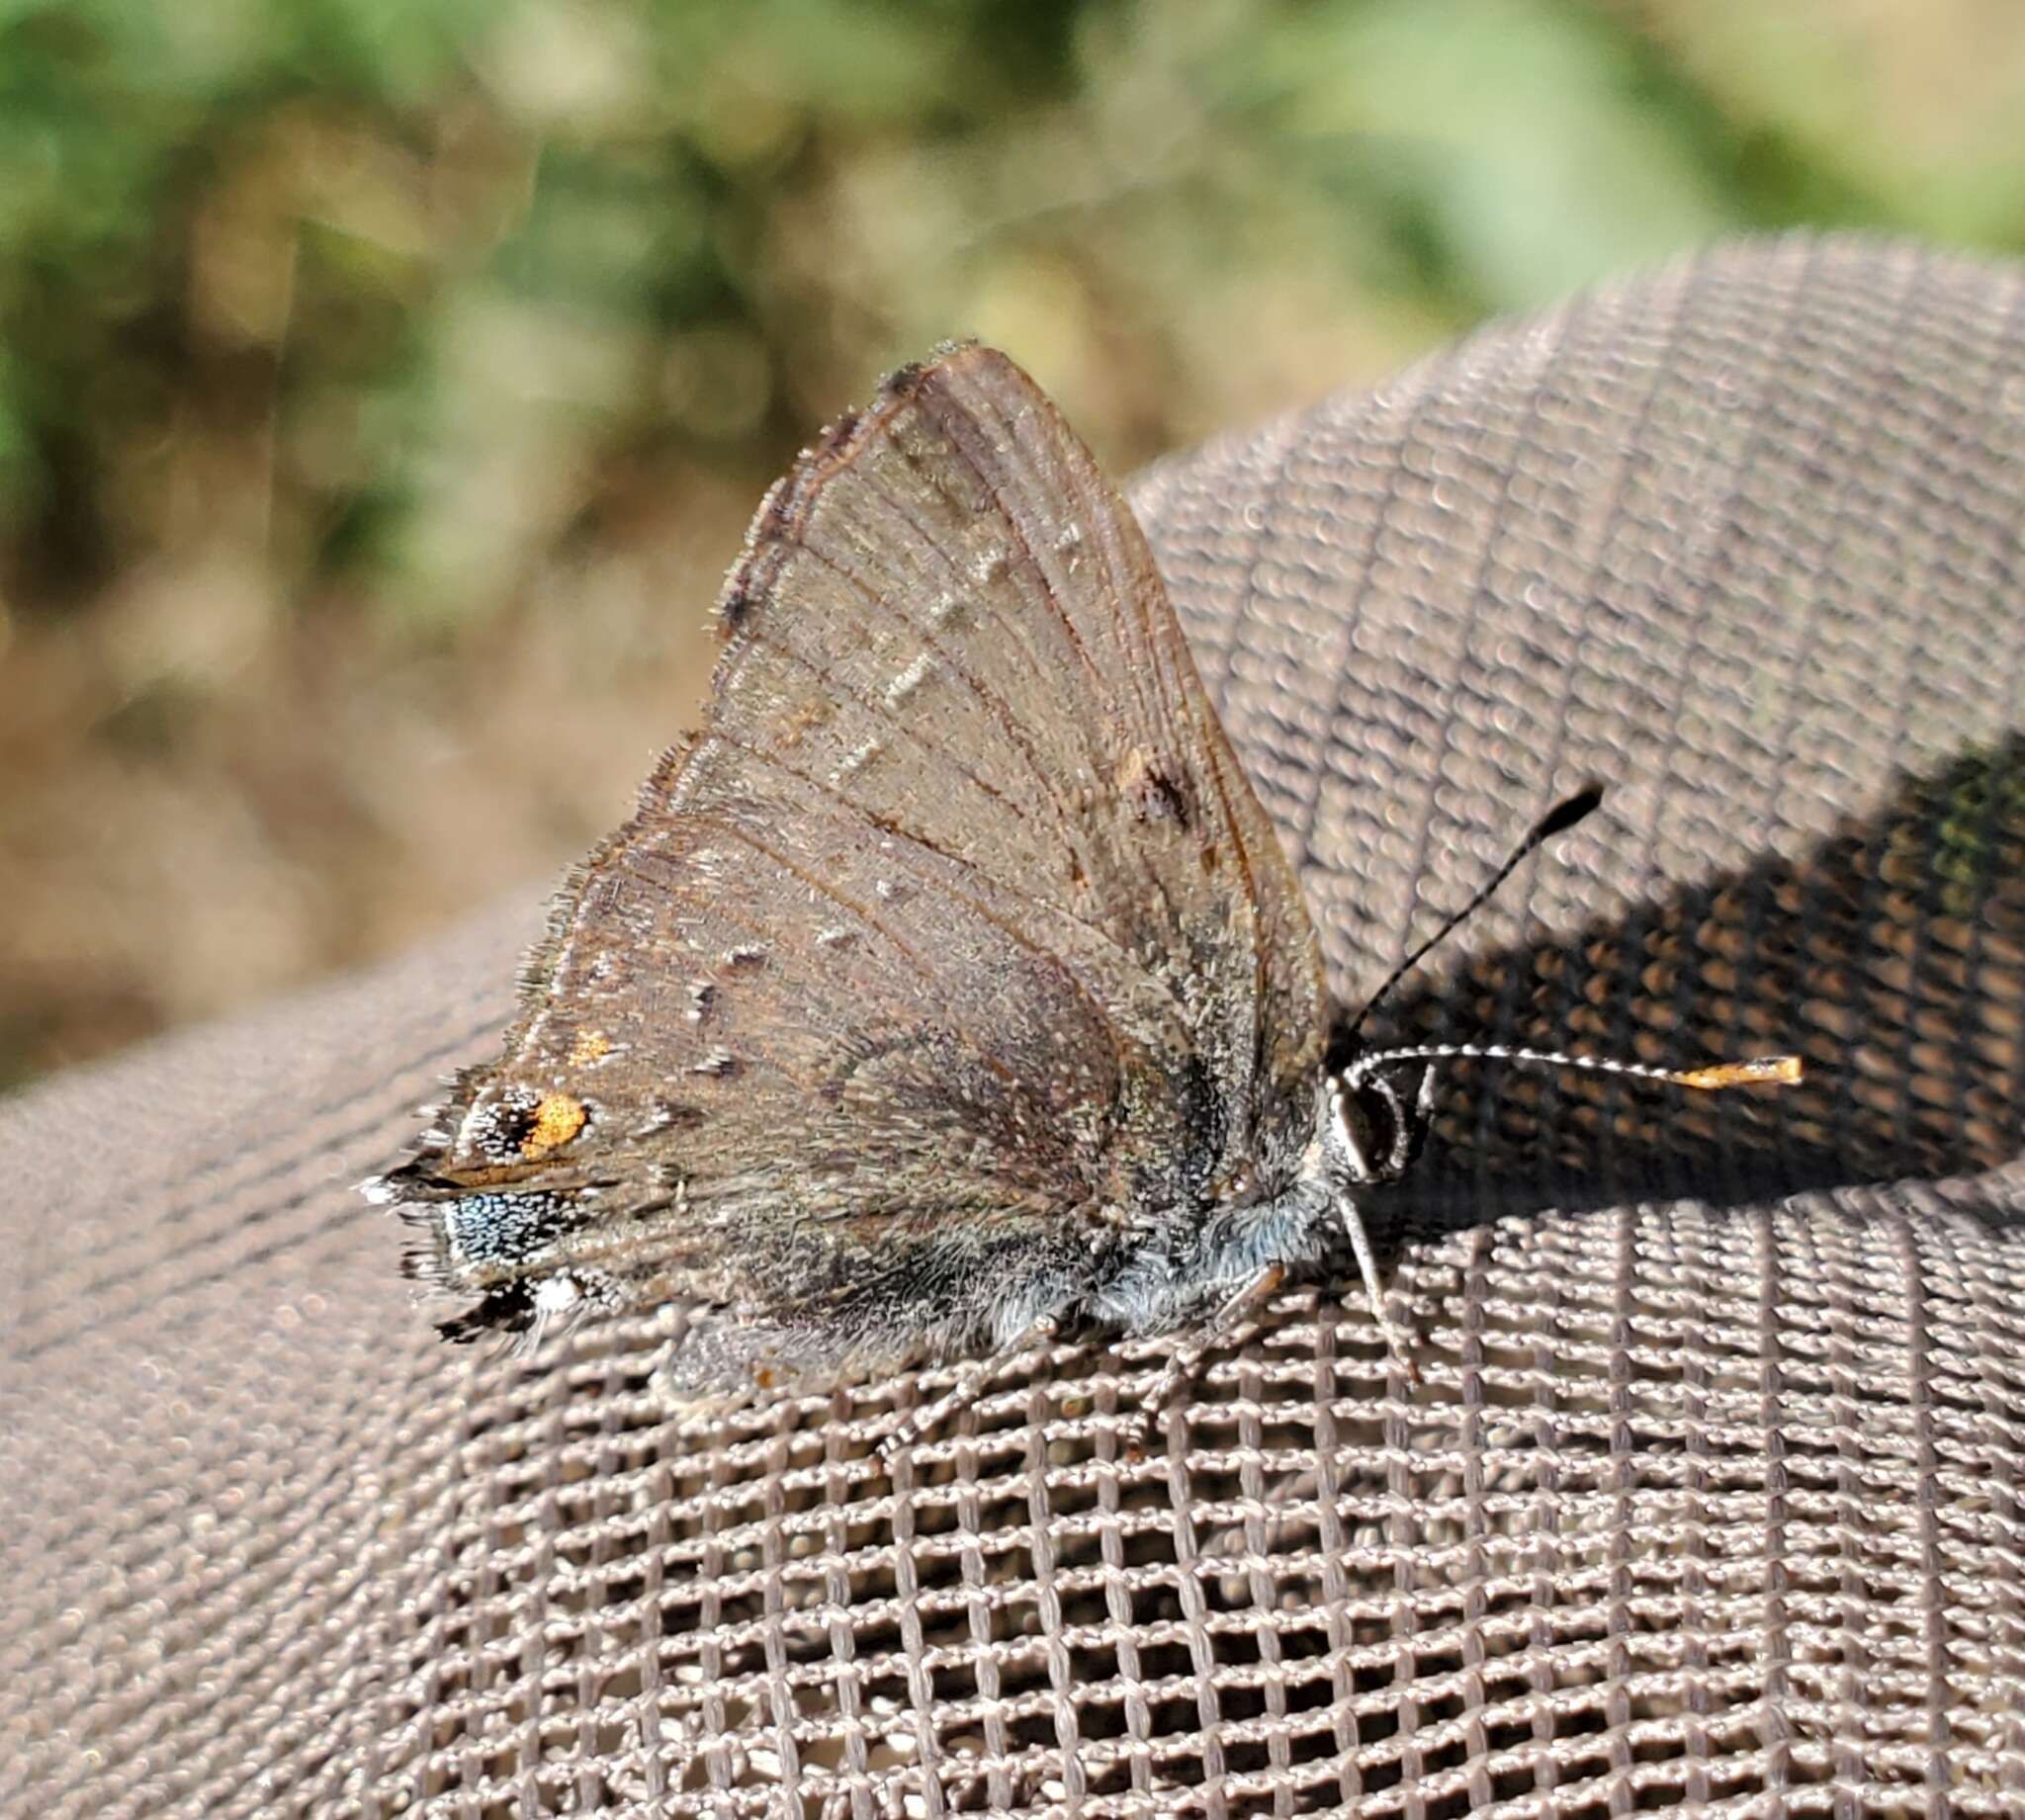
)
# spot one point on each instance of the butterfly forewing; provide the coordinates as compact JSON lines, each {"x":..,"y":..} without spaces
{"x":958,"y":905}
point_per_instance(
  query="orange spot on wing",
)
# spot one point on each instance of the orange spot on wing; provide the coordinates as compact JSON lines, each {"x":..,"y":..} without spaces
{"x":590,"y":1045}
{"x":556,"y":1119}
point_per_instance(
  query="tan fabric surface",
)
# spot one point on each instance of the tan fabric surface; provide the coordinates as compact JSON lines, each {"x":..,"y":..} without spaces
{"x":1711,"y":1494}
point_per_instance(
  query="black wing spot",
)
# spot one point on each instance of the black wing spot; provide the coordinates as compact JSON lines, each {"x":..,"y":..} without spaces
{"x":508,"y":1309}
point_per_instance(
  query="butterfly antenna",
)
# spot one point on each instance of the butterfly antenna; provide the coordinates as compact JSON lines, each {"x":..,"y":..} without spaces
{"x":1759,"y":1071}
{"x":1557,"y":820}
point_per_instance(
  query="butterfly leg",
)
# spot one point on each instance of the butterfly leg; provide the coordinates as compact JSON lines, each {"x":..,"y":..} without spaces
{"x":1186,"y":1361}
{"x":970,"y":1379}
{"x":1374,"y":1295}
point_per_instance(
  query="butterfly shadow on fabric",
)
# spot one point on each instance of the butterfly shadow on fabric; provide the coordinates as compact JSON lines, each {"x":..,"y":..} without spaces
{"x":1892,"y":956}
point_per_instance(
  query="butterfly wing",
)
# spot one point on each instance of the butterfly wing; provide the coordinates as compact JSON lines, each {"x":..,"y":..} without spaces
{"x":955,"y":944}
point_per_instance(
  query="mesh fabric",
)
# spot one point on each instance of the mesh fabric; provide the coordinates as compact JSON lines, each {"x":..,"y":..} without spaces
{"x":1708,"y":1491}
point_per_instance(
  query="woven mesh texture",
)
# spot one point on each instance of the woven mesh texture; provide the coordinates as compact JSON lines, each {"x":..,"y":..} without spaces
{"x":1710,"y":1494}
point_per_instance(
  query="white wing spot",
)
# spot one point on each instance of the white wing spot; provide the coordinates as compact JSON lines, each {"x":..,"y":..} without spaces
{"x":909,"y":680}
{"x":557,"y":1295}
{"x":855,"y":760}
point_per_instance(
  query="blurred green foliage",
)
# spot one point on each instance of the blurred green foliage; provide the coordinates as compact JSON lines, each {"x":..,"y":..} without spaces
{"x":371,"y":368}
{"x":448,"y":260}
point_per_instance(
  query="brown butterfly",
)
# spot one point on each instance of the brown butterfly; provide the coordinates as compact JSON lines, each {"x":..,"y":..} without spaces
{"x":949,"y":990}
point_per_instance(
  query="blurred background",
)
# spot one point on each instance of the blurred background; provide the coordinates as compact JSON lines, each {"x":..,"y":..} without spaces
{"x":385,"y":385}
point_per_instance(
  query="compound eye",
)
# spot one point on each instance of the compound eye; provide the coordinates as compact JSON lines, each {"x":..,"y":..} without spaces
{"x":1348,"y":1129}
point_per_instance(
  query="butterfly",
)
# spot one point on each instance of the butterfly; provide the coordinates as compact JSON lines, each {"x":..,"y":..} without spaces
{"x":949,"y":991}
